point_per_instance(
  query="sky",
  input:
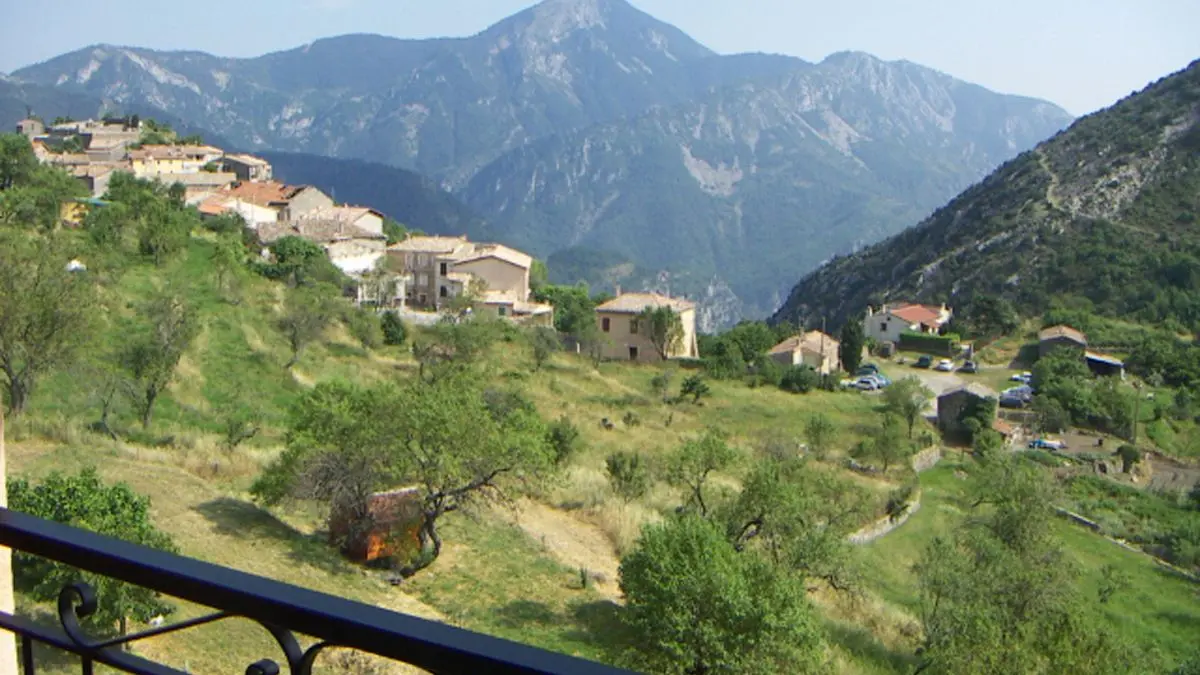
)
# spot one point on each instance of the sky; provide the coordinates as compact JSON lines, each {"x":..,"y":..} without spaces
{"x":1081,"y":54}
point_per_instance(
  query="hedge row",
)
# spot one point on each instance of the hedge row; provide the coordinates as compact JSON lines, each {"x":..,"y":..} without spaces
{"x":945,"y":345}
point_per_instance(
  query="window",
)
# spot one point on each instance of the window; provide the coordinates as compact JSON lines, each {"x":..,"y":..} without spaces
{"x":633,"y":353}
{"x":633,"y":327}
{"x":883,"y":327}
{"x":442,"y":269}
{"x":605,"y":324}
{"x":444,"y":292}
{"x":423,"y":298}
{"x":422,"y":280}
{"x":421,"y":259}
{"x":502,"y":311}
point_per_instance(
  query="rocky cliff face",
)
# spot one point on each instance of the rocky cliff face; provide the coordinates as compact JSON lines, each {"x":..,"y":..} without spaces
{"x":588,"y":122}
{"x":1102,"y":216}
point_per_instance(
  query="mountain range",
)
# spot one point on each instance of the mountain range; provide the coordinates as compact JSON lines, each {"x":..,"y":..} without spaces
{"x":1102,"y":218}
{"x":588,"y":126}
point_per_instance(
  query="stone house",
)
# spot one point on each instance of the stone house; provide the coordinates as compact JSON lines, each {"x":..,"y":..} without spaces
{"x":362,"y":217}
{"x":889,"y":322}
{"x":623,"y":337}
{"x":351,"y":249}
{"x":151,"y":161}
{"x":952,"y":403}
{"x":31,"y":128}
{"x":265,"y":202}
{"x":813,"y":348}
{"x":247,"y":168}
{"x":1054,"y":337}
{"x":443,"y":268}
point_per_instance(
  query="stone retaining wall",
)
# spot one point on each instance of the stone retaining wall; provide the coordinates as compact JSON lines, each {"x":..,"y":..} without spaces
{"x":927,"y":459}
{"x":885,"y":525}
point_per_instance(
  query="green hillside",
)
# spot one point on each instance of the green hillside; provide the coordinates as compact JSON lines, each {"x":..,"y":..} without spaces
{"x":1102,"y":217}
{"x":167,"y":299}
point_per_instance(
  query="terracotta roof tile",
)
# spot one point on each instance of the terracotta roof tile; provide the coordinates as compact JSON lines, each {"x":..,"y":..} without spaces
{"x":917,"y":314}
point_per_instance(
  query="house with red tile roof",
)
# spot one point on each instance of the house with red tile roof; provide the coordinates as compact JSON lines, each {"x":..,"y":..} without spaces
{"x":890,"y":321}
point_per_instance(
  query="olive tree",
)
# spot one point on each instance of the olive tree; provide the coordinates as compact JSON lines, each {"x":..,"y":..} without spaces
{"x":694,"y":605}
{"x":46,"y":312}
{"x":663,"y":327}
{"x":152,"y":355}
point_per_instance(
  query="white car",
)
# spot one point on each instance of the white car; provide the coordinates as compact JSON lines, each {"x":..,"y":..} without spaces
{"x":1024,"y":378}
{"x":945,"y":365}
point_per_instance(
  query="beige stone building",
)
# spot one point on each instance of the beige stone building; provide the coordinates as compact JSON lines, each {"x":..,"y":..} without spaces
{"x":814,"y":348}
{"x":439,"y":269}
{"x":625,"y":340}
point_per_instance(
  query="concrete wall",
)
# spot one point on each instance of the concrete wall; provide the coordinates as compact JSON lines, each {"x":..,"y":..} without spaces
{"x":499,"y":275}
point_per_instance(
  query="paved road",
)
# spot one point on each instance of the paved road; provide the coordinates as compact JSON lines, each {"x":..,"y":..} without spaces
{"x":937,"y":381}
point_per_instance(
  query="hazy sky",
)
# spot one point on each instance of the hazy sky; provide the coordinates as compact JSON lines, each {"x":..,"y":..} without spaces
{"x":1081,"y":54}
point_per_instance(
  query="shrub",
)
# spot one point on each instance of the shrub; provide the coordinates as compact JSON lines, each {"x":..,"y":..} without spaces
{"x":944,"y":345}
{"x":631,"y":419}
{"x":696,"y":387}
{"x":565,"y":440}
{"x":394,"y":332}
{"x":799,"y":380}
{"x":628,"y":475}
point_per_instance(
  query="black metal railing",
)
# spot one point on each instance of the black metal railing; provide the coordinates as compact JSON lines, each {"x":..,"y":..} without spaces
{"x":281,"y":609}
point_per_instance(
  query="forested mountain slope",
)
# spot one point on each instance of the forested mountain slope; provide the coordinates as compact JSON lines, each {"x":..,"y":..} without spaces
{"x":1106,"y":215}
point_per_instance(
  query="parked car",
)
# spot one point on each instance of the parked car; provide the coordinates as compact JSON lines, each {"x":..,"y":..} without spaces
{"x":1024,"y":378}
{"x":968,"y":367}
{"x":866,"y":384}
{"x":924,"y":362}
{"x":867,"y":369}
{"x":945,"y":365}
{"x":1047,"y":444}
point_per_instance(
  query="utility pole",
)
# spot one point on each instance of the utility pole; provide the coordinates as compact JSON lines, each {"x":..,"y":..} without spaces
{"x":1137,"y":408}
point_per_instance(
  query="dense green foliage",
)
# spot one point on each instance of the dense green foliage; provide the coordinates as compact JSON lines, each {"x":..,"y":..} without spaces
{"x":1064,"y":381}
{"x":628,"y":475}
{"x":695,"y":605}
{"x":997,"y":594}
{"x":850,"y":347}
{"x":942,"y":345}
{"x":84,"y":501}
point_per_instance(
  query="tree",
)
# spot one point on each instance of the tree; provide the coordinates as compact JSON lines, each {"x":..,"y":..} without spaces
{"x":545,"y":343}
{"x":46,"y":312}
{"x":819,"y":432}
{"x":394,"y":332}
{"x":306,"y":313}
{"x":1052,"y":418}
{"x":240,"y":423}
{"x":692,"y":464}
{"x":378,"y":286}
{"x":694,"y":386}
{"x":365,"y":327}
{"x":997,"y":595}
{"x":346,"y":441}
{"x":36,"y":201}
{"x":574,"y":309}
{"x":300,"y":262}
{"x":151,"y":356}
{"x":84,"y":501}
{"x":798,"y":517}
{"x":17,"y":161}
{"x":1112,"y":581}
{"x":987,"y":445}
{"x":888,"y":443}
{"x":695,"y":606}
{"x":753,"y":339}
{"x":628,"y":475}
{"x":228,"y":258}
{"x":453,"y":346}
{"x":907,"y":399}
{"x":539,"y":275}
{"x":472,"y":295}
{"x":851,"y":346}
{"x":163,"y":233}
{"x":663,"y":327}
{"x":394,"y":231}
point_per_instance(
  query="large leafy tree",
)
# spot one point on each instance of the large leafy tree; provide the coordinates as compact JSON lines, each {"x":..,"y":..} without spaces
{"x":84,"y":501}
{"x":798,"y":517}
{"x":17,"y":161}
{"x":445,"y":437}
{"x":753,"y":338}
{"x":997,"y":596}
{"x":663,"y":327}
{"x":36,"y":200}
{"x":46,"y":312}
{"x":574,"y":309}
{"x":851,"y":345}
{"x":694,"y":606}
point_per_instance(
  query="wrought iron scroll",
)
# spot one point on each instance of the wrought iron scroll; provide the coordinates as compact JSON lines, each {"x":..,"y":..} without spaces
{"x":78,"y":601}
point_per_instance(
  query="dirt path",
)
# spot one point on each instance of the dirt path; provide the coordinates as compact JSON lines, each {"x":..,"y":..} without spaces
{"x":1052,"y":189}
{"x":573,"y":543}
